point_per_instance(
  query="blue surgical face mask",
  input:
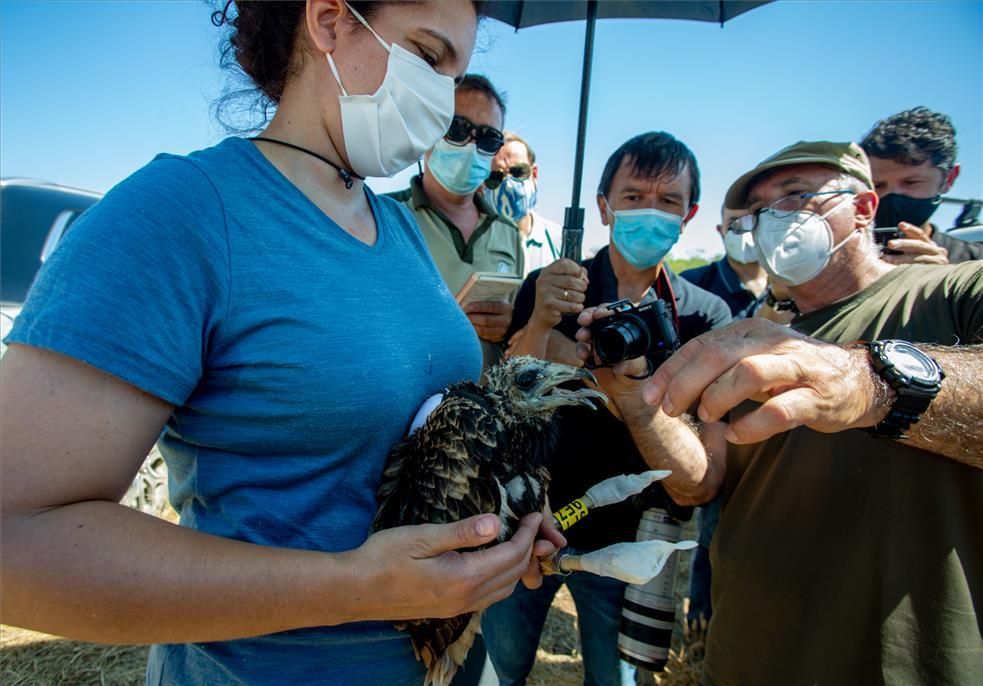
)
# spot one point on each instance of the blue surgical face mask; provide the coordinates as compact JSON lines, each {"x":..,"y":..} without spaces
{"x":513,"y":199}
{"x":644,"y":237}
{"x":459,"y":168}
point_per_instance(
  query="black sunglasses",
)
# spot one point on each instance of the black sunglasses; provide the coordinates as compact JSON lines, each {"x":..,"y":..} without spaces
{"x":519,"y":172}
{"x":488,"y":139}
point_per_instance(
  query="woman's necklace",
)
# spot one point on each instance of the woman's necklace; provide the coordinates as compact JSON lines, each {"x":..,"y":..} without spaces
{"x":345,"y":174}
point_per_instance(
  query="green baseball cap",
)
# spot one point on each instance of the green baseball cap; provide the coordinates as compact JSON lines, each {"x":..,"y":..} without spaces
{"x":847,"y":157}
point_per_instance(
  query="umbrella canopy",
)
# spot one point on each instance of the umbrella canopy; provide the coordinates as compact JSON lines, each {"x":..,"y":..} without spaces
{"x":523,"y":13}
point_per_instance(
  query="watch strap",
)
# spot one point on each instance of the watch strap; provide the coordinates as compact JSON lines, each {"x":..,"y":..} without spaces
{"x":910,"y":401}
{"x":787,"y":305}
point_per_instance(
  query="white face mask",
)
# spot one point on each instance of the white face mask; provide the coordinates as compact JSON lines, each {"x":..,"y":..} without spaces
{"x":740,"y":247}
{"x":796,"y":247}
{"x":391,"y":129}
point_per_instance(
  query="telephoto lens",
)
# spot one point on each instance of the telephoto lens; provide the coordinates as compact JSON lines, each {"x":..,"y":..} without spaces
{"x":649,"y":610}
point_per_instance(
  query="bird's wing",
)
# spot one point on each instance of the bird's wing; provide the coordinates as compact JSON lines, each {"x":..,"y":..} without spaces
{"x":443,"y":471}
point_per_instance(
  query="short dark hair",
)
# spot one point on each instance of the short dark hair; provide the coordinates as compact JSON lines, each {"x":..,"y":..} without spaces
{"x":654,"y":154}
{"x":476,"y":83}
{"x":912,"y":137}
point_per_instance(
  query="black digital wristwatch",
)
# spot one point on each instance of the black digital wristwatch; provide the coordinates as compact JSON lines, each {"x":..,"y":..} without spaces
{"x":915,"y":377}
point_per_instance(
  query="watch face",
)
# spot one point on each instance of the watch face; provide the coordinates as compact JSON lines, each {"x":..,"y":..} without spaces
{"x":912,"y":362}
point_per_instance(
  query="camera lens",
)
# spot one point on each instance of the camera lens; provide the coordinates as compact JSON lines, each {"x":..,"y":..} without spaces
{"x":624,"y":338}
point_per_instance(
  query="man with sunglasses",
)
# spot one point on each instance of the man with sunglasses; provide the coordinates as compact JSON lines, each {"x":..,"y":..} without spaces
{"x":463,"y":231}
{"x":848,"y":549}
{"x":512,"y":188}
{"x":649,"y":189}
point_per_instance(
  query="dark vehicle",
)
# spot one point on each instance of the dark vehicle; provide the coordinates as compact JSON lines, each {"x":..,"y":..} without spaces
{"x":968,"y":225}
{"x":34,"y":217}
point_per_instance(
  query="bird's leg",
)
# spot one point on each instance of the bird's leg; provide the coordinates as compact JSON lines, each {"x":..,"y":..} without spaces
{"x":608,"y":492}
{"x":560,"y":564}
{"x":632,"y":562}
{"x":555,"y":564}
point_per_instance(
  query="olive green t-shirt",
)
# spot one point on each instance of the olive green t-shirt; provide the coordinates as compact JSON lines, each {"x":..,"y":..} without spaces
{"x":495,"y":246}
{"x":847,"y":559}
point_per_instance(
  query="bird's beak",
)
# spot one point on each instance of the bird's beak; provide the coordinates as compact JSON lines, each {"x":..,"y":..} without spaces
{"x":551,"y":396}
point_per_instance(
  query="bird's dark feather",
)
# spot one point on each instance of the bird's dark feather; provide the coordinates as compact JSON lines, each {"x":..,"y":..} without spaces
{"x":455,"y":466}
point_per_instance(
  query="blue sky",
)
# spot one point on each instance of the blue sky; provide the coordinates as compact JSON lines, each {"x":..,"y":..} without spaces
{"x":90,"y":91}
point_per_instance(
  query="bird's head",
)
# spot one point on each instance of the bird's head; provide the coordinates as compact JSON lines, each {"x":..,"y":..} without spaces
{"x":531,"y":386}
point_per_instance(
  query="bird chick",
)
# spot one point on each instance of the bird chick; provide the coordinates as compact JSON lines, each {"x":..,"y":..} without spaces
{"x":482,"y":449}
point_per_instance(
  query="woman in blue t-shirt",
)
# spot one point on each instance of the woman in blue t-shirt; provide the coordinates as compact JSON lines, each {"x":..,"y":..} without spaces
{"x":280,"y":324}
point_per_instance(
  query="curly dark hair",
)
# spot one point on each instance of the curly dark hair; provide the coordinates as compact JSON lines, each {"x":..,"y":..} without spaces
{"x":260,"y":47}
{"x":912,"y":137}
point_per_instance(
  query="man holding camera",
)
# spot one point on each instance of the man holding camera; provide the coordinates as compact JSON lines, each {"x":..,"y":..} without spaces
{"x":848,"y":550}
{"x":913,"y":159}
{"x":648,"y":191}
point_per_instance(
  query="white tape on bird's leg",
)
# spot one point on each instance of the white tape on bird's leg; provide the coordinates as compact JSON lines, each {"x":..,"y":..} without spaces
{"x":621,"y":487}
{"x":633,"y":563}
{"x":608,"y":492}
{"x":428,"y":406}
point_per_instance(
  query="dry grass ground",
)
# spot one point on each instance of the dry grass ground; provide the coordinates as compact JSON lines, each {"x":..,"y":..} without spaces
{"x":28,"y":658}
{"x":32,"y":659}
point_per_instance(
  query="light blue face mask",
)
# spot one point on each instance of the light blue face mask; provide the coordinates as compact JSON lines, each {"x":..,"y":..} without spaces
{"x":644,"y":237}
{"x":513,"y":199}
{"x":459,"y":168}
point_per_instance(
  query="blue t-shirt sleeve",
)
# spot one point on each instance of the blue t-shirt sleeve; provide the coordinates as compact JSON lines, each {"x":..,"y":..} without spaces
{"x":139,"y":283}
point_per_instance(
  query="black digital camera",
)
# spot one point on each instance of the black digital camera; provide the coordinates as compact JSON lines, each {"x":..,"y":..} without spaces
{"x":635,"y":331}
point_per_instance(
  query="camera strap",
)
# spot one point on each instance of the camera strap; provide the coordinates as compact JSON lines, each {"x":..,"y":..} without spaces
{"x":671,"y":300}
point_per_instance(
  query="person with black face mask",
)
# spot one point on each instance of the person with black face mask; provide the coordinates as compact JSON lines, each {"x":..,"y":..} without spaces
{"x":913,"y":160}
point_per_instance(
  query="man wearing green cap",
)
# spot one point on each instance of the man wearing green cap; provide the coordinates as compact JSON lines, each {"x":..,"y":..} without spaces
{"x":848,"y":550}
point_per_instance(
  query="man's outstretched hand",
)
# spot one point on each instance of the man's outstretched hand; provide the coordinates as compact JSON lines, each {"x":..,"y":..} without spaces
{"x":800,"y":381}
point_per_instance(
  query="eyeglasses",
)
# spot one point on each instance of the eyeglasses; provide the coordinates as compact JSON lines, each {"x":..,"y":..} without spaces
{"x":781,"y":208}
{"x":488,"y":139}
{"x":519,"y":172}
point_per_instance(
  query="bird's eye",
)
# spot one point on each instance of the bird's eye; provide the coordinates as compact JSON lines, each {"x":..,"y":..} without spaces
{"x":527,"y":379}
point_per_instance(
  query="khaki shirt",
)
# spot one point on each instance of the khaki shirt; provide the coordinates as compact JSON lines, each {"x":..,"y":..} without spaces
{"x":847,"y":559}
{"x":495,"y":246}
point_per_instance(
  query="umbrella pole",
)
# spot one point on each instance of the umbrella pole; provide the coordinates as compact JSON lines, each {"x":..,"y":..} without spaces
{"x":573,"y":217}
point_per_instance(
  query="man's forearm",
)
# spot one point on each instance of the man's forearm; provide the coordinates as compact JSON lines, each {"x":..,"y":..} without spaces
{"x":953,"y":424}
{"x":533,"y":341}
{"x":695,"y":453}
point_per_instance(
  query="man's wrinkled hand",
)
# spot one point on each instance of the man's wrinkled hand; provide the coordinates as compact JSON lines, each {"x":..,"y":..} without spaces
{"x":800,"y":381}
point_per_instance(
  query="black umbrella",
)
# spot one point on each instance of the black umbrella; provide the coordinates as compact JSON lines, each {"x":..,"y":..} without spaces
{"x":523,"y":13}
